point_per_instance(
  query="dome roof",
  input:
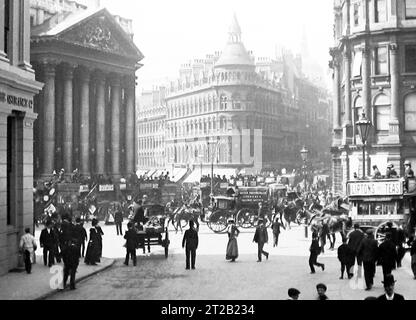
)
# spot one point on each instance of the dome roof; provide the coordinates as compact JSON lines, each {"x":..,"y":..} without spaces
{"x":234,"y":54}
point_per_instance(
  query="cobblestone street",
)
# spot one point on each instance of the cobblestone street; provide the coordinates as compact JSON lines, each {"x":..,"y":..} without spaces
{"x":214,"y":278}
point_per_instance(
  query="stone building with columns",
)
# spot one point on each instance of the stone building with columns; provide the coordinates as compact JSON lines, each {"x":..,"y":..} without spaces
{"x":374,"y":72}
{"x":87,"y":107}
{"x":227,"y":96}
{"x":17,"y":117}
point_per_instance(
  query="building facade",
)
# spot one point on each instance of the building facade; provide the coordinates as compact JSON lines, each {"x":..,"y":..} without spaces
{"x":374,"y":72}
{"x":151,"y":117}
{"x":88,"y":62}
{"x":17,"y":116}
{"x":218,"y":103}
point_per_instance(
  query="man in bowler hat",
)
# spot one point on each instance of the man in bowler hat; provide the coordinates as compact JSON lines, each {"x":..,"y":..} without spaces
{"x":389,"y":294}
{"x":190,"y":243}
{"x":388,"y":254}
{"x":368,"y":250}
{"x":261,"y":238}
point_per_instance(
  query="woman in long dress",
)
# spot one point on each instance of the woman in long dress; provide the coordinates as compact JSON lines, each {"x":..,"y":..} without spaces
{"x":232,"y":247}
{"x":94,"y":248}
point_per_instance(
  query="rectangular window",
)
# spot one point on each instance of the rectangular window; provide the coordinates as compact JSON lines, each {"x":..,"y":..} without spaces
{"x":357,"y":7}
{"x":6,"y":25}
{"x":358,"y":61}
{"x":382,"y":118}
{"x":410,"y":9}
{"x":410,"y":58}
{"x":380,"y":11}
{"x":381,"y":61}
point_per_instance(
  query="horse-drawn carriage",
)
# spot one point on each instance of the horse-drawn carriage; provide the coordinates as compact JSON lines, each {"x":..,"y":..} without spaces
{"x":243,"y":207}
{"x":377,"y":203}
{"x":155,"y":231}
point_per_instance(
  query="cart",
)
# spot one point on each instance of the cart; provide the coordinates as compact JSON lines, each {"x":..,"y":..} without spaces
{"x":155,"y":231}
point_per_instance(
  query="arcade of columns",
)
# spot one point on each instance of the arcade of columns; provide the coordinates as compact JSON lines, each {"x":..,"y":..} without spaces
{"x":98,"y":120}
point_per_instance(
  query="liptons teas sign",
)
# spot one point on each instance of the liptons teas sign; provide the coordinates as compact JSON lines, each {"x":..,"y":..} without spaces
{"x":375,"y":188}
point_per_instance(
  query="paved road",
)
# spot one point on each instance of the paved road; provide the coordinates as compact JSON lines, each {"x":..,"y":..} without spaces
{"x":166,"y":279}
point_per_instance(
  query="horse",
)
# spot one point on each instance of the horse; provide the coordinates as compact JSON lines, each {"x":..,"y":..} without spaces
{"x":291,"y":211}
{"x":336,"y":217}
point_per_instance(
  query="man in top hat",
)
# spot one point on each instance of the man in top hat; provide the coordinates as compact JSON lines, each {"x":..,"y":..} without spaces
{"x":408,"y":172}
{"x":390,"y":172}
{"x":389,"y":283}
{"x":354,"y":241}
{"x":261,"y":238}
{"x":293,"y":294}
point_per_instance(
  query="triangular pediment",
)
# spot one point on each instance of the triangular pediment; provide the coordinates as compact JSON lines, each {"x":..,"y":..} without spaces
{"x":99,"y":31}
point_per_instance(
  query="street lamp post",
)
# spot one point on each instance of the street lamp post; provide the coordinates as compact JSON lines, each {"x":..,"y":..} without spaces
{"x":363,"y":126}
{"x":304,"y":154}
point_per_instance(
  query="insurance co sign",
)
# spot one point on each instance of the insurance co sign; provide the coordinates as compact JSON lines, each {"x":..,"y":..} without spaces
{"x":375,"y":188}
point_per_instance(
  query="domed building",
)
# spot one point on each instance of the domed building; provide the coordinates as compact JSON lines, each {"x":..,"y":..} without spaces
{"x":237,"y":113}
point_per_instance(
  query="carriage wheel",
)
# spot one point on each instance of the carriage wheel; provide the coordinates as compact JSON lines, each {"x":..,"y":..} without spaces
{"x":244,"y":219}
{"x":218,"y":222}
{"x":380,"y":233}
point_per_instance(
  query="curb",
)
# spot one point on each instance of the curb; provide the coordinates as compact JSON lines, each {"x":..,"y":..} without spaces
{"x":47,"y":295}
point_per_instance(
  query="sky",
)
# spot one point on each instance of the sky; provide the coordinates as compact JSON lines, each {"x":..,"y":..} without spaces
{"x":172,"y":32}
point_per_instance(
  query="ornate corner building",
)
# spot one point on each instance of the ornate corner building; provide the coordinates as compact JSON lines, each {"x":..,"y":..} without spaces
{"x":224,"y":97}
{"x":87,"y":59}
{"x":374,"y":72}
{"x":17,"y":117}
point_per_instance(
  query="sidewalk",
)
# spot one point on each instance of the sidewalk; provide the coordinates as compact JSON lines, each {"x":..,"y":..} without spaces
{"x":43,"y":280}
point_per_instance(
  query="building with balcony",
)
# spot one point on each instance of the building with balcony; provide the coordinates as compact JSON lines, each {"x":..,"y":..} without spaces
{"x":374,"y":72}
{"x":17,"y":117}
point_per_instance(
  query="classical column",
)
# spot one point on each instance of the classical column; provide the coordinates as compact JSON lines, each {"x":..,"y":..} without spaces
{"x":130,"y":123}
{"x":100,"y":127}
{"x":24,"y":33}
{"x":115,"y":125}
{"x":85,"y":121}
{"x":3,"y":56}
{"x":335,"y":64}
{"x":366,"y":81}
{"x":68,"y":129}
{"x":347,"y":125}
{"x":48,"y":118}
{"x":395,"y":92}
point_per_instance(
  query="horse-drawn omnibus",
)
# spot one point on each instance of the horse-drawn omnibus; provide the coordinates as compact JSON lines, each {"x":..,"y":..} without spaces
{"x":377,"y":202}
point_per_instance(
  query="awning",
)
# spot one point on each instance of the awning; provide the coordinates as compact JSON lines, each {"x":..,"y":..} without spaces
{"x":178,"y":174}
{"x":140,"y":173}
{"x":150,"y":173}
{"x":195,"y":176}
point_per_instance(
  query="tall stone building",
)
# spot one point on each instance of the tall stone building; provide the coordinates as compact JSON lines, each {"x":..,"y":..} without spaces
{"x":374,"y":72}
{"x":216,"y":105}
{"x":151,"y":117}
{"x":17,"y":116}
{"x":87,"y":59}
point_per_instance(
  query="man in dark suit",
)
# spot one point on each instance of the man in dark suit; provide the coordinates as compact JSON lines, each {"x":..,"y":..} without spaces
{"x":48,"y":242}
{"x":80,"y":235}
{"x":70,"y":256}
{"x":131,"y":244}
{"x":139,"y":218}
{"x":354,"y":241}
{"x":190,"y":243}
{"x":388,"y":255}
{"x":368,"y":250}
{"x":389,"y":283}
{"x":118,"y":219}
{"x":261,"y":238}
{"x":315,"y":251}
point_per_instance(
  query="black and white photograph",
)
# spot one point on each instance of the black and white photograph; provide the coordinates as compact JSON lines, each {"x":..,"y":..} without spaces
{"x":233,"y":151}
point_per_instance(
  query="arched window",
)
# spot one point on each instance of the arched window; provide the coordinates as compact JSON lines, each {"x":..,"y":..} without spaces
{"x":382,"y":112}
{"x":223,"y":102}
{"x":410,"y":112}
